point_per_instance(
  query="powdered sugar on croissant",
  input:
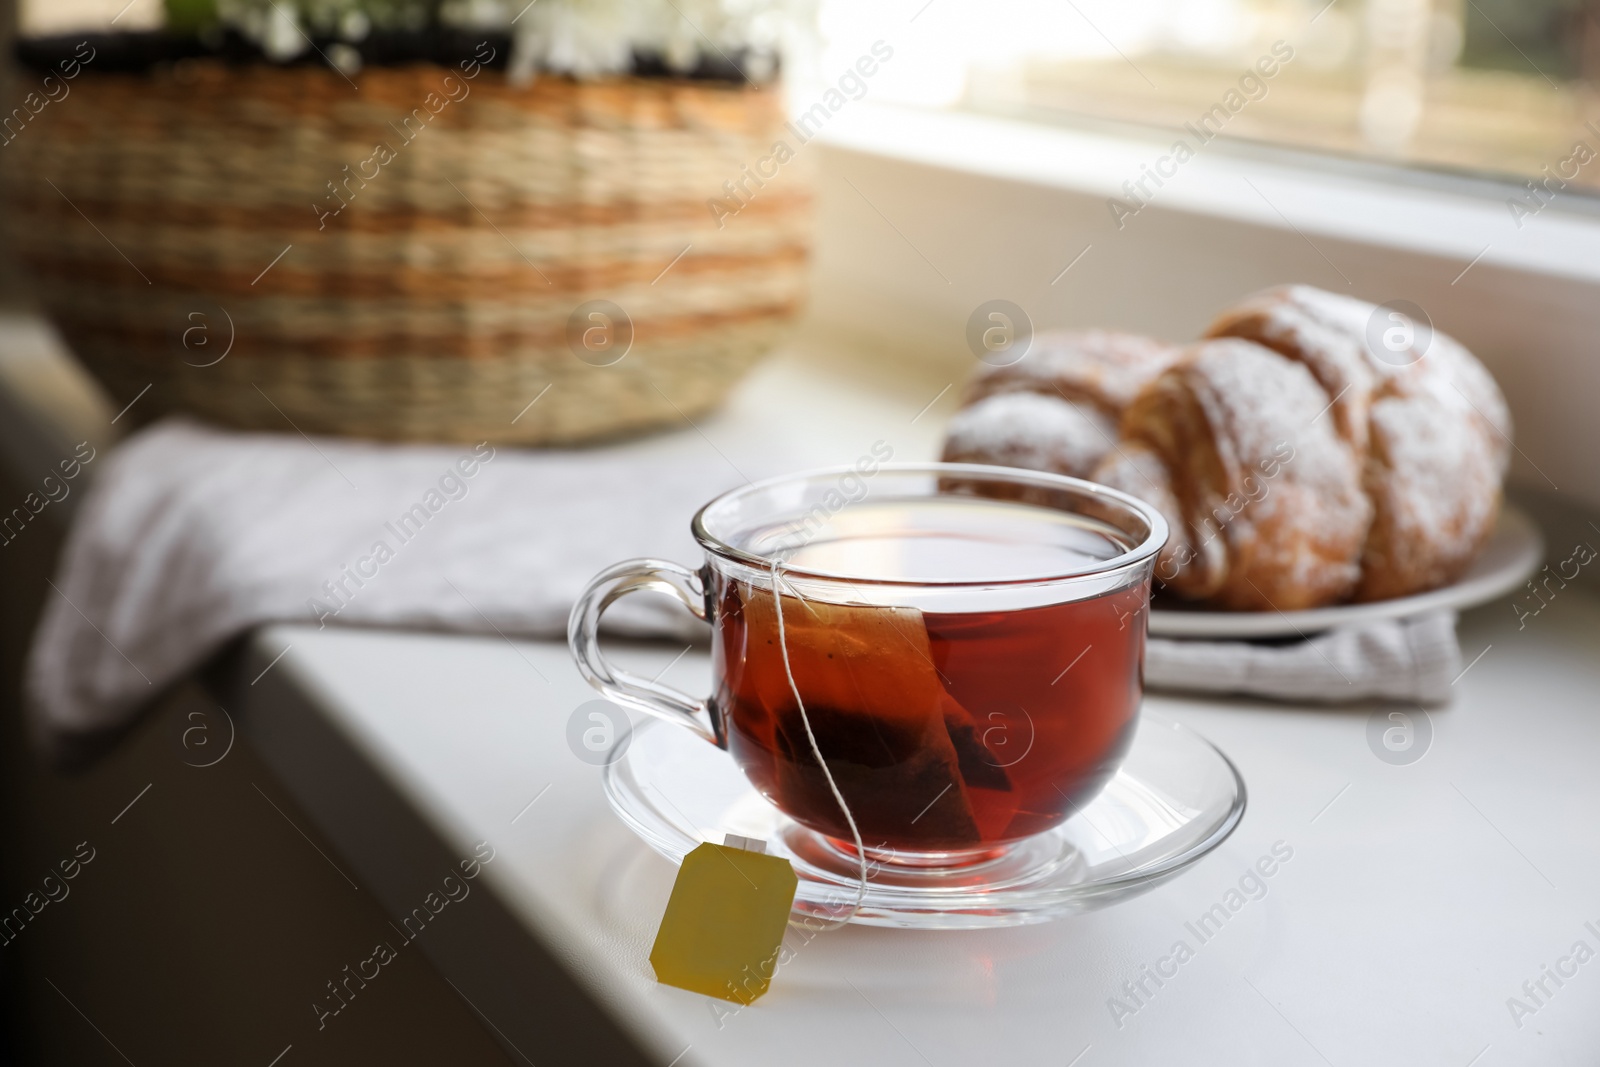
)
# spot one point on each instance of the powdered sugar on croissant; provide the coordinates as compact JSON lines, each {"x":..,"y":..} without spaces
{"x":1031,"y":430}
{"x":1268,"y":494}
{"x":1429,"y":420}
{"x":1056,"y":410}
{"x":1102,"y":368}
{"x":1297,"y":464}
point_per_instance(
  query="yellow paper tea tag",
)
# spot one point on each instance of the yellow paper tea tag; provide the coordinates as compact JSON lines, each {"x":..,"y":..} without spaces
{"x":725,"y":920}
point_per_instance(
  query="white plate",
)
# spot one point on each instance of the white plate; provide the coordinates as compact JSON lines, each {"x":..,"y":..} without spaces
{"x":1513,"y":553}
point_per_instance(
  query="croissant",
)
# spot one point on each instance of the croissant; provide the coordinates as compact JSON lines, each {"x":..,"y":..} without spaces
{"x":1428,"y":420}
{"x":1297,"y":463}
{"x":1262,"y":496}
{"x":1058,"y":409}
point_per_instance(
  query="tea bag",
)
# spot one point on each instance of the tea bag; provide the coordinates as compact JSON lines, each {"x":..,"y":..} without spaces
{"x":988,"y":783}
{"x":979,"y":769}
{"x":878,"y":710}
{"x":723,"y":928}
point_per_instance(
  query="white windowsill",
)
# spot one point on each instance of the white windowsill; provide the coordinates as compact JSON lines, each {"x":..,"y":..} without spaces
{"x":1451,"y":218}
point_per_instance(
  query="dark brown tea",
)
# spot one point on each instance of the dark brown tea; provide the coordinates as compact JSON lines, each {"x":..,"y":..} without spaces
{"x":945,"y":730}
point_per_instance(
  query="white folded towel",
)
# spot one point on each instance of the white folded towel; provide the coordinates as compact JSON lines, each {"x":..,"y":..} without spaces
{"x":1415,"y":659}
{"x":190,"y":536}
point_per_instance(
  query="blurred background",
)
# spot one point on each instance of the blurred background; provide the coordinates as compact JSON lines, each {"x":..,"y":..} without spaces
{"x":1493,"y":87}
{"x":1425,"y":95}
{"x":1497,"y":89}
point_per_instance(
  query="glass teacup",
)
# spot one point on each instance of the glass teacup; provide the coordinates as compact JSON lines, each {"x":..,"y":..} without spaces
{"x":962,"y":644}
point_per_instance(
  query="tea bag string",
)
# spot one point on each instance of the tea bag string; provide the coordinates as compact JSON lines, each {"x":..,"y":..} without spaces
{"x":783,"y":648}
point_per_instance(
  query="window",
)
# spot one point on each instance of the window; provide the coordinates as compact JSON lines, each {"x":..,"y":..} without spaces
{"x":1498,"y":87}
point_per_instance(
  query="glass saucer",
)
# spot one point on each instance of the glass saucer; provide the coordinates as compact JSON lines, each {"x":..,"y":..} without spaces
{"x":1175,"y":798}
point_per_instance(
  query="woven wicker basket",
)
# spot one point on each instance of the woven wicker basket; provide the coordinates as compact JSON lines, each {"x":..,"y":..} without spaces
{"x":192,"y":215}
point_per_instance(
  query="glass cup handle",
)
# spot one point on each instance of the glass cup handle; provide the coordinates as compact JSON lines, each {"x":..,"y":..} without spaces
{"x":623,"y":687}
